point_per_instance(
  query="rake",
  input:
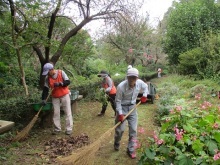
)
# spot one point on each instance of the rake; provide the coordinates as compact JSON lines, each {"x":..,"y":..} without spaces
{"x":86,"y":155}
{"x":24,"y":133}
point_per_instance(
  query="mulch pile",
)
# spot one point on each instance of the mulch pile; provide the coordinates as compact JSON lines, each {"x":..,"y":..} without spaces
{"x":64,"y":146}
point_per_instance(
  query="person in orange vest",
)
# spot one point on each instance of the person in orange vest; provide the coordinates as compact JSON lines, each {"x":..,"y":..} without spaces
{"x":110,"y":90}
{"x":58,"y":81}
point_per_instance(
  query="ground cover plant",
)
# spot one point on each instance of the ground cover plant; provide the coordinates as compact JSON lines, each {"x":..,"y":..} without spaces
{"x":189,"y":117}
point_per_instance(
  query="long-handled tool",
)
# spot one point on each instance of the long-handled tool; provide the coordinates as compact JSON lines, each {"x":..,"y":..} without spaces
{"x":86,"y":155}
{"x":23,"y":134}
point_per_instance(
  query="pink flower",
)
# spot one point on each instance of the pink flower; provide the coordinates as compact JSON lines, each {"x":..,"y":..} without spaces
{"x":178,"y":133}
{"x":130,"y":50}
{"x":160,"y":141}
{"x":136,"y":143}
{"x":216,"y":156}
{"x":167,"y":119}
{"x":157,"y":140}
{"x":216,"y":125}
{"x":198,"y":96}
{"x":155,"y":137}
{"x":150,"y":57}
{"x":178,"y":108}
{"x":141,"y":130}
{"x":203,"y":106}
{"x":206,"y":105}
{"x":171,"y":111}
{"x":134,"y":140}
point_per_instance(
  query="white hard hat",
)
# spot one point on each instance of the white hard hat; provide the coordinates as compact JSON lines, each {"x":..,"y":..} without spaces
{"x":132,"y":72}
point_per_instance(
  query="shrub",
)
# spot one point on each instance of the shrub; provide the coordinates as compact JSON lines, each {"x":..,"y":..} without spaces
{"x":187,"y":136}
{"x":189,"y":132}
{"x":17,"y":109}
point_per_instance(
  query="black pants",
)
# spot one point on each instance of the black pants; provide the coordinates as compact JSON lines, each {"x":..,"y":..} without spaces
{"x":111,"y":99}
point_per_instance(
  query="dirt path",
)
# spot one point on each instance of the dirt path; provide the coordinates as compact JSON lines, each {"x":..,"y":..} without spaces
{"x":32,"y":151}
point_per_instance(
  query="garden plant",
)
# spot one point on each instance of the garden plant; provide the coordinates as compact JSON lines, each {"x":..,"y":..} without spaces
{"x":189,"y":133}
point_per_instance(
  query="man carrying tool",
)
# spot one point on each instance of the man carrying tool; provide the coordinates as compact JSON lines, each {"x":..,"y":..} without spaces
{"x":58,"y":81}
{"x":110,"y":90}
{"x":127,"y":92}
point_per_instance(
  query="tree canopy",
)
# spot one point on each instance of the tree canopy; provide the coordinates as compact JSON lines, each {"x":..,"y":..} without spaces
{"x":188,"y":21}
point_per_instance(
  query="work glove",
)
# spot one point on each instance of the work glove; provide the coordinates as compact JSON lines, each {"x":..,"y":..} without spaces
{"x":143,"y":99}
{"x":57,"y":84}
{"x":121,"y":118}
{"x":43,"y":103}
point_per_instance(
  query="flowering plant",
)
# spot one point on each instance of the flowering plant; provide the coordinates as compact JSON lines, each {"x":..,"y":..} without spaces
{"x":188,"y":135}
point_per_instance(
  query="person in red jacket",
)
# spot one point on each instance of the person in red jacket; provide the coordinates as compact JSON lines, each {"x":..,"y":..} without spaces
{"x":110,"y":90}
{"x":58,"y":81}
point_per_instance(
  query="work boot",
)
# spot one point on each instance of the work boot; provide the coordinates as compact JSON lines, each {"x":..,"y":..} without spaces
{"x":55,"y":132}
{"x":68,"y":132}
{"x":101,"y":114}
{"x":116,"y":146}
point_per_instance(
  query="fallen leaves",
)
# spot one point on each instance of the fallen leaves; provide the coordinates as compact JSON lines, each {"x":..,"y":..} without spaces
{"x":64,"y":146}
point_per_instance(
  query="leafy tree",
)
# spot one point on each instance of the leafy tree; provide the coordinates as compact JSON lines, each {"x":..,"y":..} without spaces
{"x":39,"y":19}
{"x":203,"y":60}
{"x":108,"y":52}
{"x":77,"y":50}
{"x":190,"y":59}
{"x":187,"y":22}
{"x":130,"y":39}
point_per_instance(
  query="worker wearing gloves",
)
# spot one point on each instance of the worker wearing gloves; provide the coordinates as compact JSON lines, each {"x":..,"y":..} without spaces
{"x":110,"y":89}
{"x":127,"y":92}
{"x":58,"y":81}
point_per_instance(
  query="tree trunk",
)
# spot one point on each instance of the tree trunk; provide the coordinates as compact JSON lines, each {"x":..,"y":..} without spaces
{"x":22,"y":72}
{"x":14,"y":39}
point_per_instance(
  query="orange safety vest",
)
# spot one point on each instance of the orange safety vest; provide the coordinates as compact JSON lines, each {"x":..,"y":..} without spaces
{"x":105,"y":85}
{"x":57,"y":91}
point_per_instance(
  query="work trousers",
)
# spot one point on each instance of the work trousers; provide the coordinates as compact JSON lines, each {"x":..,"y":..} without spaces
{"x":132,"y":125}
{"x":111,"y":99}
{"x":66,"y":105}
